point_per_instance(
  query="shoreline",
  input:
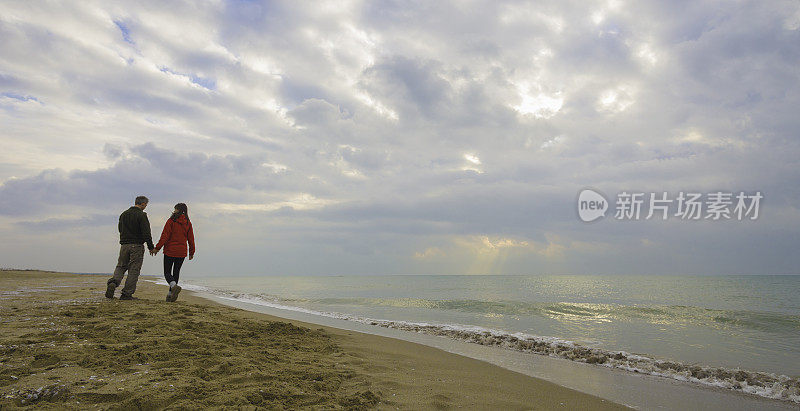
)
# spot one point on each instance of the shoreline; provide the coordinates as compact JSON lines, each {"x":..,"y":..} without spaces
{"x":637,"y":390}
{"x":376,"y":371}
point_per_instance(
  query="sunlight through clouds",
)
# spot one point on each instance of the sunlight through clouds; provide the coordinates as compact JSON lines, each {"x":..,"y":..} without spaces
{"x":617,"y":99}
{"x":539,"y":105}
{"x":473,"y":163}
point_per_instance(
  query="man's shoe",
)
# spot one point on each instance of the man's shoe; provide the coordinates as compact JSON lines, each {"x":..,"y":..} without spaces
{"x":175,"y":291}
{"x":169,"y":295}
{"x":110,"y":287}
{"x":127,"y":297}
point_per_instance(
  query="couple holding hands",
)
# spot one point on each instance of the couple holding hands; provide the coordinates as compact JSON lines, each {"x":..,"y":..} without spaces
{"x":134,"y":231}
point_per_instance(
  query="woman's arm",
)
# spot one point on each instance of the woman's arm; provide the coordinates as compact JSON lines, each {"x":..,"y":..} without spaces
{"x":190,"y":237}
{"x":165,"y":234}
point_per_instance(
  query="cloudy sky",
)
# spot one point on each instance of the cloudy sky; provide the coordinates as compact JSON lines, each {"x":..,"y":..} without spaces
{"x":388,"y":137}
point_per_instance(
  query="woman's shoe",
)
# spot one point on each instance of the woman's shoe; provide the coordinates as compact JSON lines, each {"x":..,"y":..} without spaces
{"x":175,"y":291}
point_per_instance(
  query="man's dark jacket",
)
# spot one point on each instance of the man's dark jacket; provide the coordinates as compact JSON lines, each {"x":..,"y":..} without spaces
{"x":134,"y":228}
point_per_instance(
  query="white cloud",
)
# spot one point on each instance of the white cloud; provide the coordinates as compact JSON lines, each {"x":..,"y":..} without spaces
{"x":303,"y":201}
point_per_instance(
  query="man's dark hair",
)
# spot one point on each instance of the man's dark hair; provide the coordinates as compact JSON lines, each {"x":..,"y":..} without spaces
{"x":141,"y":200}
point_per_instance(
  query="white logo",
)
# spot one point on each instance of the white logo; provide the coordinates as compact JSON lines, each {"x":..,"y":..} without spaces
{"x":719,"y":205}
{"x":591,"y":205}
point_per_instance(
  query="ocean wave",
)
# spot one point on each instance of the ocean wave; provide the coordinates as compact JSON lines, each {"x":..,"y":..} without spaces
{"x":763,"y":384}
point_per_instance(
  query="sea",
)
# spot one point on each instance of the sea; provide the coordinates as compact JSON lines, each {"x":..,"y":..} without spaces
{"x":739,"y":332}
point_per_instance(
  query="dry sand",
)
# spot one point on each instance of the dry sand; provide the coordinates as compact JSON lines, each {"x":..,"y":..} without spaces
{"x":64,"y":345}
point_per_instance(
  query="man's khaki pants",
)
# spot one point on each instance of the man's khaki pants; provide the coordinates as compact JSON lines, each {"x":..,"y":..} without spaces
{"x":131,"y":257}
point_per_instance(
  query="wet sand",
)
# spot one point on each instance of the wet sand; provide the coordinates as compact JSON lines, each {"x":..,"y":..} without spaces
{"x":64,"y":345}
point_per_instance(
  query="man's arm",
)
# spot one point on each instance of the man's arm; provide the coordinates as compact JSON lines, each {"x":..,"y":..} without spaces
{"x":146,"y":231}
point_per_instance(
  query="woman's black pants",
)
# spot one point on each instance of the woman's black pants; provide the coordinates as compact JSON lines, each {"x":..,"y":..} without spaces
{"x":172,"y":268}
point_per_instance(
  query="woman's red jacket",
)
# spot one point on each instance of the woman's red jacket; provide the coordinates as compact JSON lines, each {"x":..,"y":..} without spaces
{"x":175,"y":236}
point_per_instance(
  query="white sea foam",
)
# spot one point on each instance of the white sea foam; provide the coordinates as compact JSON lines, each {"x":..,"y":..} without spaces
{"x":763,"y":384}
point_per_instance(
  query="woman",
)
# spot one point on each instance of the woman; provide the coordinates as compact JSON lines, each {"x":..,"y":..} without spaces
{"x":177,"y":232}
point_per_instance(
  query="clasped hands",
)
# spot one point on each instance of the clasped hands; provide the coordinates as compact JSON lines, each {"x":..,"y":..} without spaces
{"x":153,"y":252}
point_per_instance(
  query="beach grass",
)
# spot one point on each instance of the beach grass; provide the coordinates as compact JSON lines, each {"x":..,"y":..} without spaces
{"x":64,"y":345}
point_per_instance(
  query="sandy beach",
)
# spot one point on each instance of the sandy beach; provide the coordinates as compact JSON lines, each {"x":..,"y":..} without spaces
{"x":64,"y":345}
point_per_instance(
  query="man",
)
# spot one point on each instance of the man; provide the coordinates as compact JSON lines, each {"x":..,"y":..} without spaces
{"x":134,"y":229}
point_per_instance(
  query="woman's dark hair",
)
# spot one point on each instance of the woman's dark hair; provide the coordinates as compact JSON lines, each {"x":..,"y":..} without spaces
{"x":182,"y":210}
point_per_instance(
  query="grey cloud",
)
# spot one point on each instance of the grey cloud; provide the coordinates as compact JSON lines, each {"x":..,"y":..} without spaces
{"x":161,"y":173}
{"x":416,"y":82}
{"x":112,"y":151}
{"x":317,"y":112}
{"x":296,"y":92}
{"x":261,"y":99}
{"x":60,"y":224}
{"x":508,"y":208}
{"x":9,"y":82}
{"x":367,"y":158}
